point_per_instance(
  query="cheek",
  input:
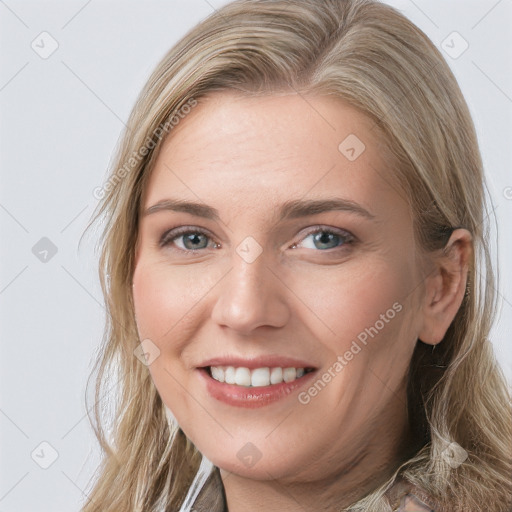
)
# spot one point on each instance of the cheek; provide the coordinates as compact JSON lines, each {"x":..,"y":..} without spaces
{"x":152,"y":303}
{"x":369,"y":301}
{"x":164,"y":299}
{"x":367,"y":327}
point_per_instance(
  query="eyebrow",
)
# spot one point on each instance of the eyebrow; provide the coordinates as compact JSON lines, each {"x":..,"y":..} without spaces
{"x":289,"y":210}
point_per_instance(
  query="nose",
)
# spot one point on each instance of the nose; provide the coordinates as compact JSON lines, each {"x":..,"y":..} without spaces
{"x":249,"y":296}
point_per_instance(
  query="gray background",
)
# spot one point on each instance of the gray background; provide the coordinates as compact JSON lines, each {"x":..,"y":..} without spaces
{"x":60,"y":119}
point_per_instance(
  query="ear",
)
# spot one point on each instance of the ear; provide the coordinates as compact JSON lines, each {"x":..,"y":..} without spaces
{"x":445,"y":287}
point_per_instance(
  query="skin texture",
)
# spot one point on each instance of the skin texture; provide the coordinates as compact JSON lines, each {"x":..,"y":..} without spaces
{"x":245,"y":157}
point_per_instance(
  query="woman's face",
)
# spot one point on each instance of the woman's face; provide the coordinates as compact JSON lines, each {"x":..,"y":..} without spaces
{"x":279,"y":247}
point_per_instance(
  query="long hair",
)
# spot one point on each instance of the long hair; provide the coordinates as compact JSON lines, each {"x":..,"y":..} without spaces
{"x":369,"y":55}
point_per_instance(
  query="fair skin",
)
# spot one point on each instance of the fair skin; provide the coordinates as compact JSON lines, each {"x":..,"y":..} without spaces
{"x":304,"y":296}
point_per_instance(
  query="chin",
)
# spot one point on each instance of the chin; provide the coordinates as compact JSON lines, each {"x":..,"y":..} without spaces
{"x":259,"y":462}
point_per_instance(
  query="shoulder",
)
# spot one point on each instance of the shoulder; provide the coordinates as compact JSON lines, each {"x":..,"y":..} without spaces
{"x":211,"y":498}
{"x":405,"y":497}
{"x":414,"y":503}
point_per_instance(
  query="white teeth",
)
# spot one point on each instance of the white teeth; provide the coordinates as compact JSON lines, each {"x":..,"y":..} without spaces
{"x":289,"y":374}
{"x":229,"y":374}
{"x":260,"y":377}
{"x":242,"y":377}
{"x":276,"y":376}
{"x":218,"y":373}
{"x":257,"y":377}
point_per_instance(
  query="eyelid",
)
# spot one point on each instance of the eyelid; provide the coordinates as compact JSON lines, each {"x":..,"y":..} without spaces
{"x":322,"y":227}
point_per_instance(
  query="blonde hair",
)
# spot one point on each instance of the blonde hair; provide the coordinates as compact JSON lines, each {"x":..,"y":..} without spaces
{"x":369,"y":55}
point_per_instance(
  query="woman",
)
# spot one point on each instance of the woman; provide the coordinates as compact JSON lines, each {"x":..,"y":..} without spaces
{"x":297,"y":275}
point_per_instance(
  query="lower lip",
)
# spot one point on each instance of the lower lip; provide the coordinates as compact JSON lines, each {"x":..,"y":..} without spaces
{"x":251,"y":397}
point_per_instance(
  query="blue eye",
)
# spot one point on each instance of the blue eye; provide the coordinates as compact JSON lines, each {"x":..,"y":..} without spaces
{"x":194,"y":241}
{"x":190,"y":239}
{"x":326,"y":239}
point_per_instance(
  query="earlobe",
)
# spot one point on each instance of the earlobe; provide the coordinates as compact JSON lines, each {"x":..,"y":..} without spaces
{"x":445,"y":287}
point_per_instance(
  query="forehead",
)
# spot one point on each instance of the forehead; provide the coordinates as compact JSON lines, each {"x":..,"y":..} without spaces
{"x":242,"y":152}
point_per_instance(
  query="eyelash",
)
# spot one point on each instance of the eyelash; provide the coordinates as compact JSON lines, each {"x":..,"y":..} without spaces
{"x":175,"y":233}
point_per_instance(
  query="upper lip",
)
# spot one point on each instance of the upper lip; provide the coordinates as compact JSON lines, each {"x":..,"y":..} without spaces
{"x":271,"y":361}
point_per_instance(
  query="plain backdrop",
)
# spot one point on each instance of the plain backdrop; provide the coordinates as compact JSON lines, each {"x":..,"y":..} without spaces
{"x":60,"y":119}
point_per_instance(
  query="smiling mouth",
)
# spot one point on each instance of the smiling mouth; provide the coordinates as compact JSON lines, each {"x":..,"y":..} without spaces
{"x":255,"y":377}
